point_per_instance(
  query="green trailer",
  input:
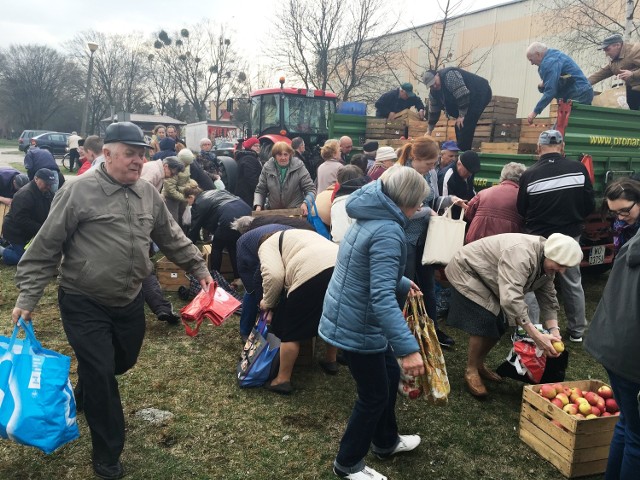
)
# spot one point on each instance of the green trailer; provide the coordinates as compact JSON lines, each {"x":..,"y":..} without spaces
{"x":607,"y":137}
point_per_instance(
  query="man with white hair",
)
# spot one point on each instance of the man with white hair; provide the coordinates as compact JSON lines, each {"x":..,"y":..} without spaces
{"x":74,"y":155}
{"x":561,"y":78}
{"x":97,"y":239}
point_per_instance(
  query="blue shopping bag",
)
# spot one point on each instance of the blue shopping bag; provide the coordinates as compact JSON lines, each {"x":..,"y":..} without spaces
{"x":259,"y":356}
{"x":314,"y":219}
{"x":37,"y":407}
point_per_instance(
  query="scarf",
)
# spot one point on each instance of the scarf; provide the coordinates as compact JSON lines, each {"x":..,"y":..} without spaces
{"x":282,"y":172}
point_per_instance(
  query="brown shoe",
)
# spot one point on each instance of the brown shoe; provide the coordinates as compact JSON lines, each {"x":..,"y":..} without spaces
{"x":475,"y":385}
{"x":489,"y":374}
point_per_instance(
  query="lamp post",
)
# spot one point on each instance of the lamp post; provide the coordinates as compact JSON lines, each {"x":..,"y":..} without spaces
{"x":92,"y":47}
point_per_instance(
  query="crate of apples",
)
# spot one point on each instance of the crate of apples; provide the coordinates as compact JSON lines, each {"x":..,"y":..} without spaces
{"x":579,"y":403}
{"x":570,"y":424}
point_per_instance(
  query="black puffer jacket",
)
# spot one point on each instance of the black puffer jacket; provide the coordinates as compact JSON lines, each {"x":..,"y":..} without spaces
{"x":249,"y":168}
{"x":28,"y":212}
{"x":208,"y":209}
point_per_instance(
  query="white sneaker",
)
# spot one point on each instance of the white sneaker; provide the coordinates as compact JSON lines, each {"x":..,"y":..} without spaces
{"x":406,"y":443}
{"x":575,"y":339}
{"x":365,"y":474}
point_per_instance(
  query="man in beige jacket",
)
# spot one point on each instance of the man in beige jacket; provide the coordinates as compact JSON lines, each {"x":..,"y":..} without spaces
{"x":624,"y":63}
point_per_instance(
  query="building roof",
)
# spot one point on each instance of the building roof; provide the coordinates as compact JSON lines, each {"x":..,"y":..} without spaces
{"x":142,"y":118}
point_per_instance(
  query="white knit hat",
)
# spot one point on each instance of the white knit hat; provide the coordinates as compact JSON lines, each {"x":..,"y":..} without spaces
{"x":563,"y":250}
{"x":386,"y":153}
{"x":186,"y":156}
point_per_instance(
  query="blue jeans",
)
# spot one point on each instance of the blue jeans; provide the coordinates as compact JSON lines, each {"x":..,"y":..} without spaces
{"x":12,"y":254}
{"x":373,"y":419}
{"x":624,"y":454}
{"x":249,"y":313}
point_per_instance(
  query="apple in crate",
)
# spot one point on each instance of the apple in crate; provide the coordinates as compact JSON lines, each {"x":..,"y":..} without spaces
{"x":570,"y":408}
{"x":557,"y":402}
{"x":547,"y":391}
{"x":605,"y":392}
{"x":576,"y":393}
{"x":591,"y":397}
{"x":585,"y":408}
{"x":563,"y":398}
{"x":596,"y":411}
{"x":611,"y":405}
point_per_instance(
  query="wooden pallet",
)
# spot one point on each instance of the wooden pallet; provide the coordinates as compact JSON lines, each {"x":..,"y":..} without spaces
{"x":577,"y":448}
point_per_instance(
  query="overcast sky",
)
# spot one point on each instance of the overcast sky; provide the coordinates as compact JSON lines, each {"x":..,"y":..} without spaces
{"x":54,"y":22}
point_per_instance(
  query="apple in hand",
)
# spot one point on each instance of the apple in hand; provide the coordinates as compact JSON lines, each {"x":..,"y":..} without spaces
{"x":558,"y":346}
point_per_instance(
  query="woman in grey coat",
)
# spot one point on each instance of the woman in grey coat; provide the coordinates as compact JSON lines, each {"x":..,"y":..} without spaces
{"x":614,"y":334}
{"x":284,"y":182}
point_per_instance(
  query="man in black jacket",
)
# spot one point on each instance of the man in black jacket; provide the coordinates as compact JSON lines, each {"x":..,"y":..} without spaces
{"x":29,"y":210}
{"x":397,"y":100}
{"x":462,"y":95}
{"x":556,"y":196}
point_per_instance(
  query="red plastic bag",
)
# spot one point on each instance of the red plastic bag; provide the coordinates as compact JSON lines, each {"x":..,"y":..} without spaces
{"x":531,"y":358}
{"x":217,"y":305}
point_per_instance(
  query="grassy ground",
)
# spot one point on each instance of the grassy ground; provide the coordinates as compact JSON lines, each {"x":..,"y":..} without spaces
{"x":222,"y":432}
{"x":4,"y":143}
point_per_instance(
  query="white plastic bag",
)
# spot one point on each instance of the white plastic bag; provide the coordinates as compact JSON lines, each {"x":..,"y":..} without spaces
{"x":444,"y":238}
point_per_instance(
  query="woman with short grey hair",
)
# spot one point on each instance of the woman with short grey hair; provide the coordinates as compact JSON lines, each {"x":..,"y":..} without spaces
{"x":361,"y":316}
{"x":493,"y":210}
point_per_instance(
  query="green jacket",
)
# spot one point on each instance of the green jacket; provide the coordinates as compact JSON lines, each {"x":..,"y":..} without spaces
{"x":99,"y":232}
{"x":296,"y":187}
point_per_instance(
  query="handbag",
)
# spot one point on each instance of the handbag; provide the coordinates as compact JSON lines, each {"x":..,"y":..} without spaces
{"x":37,"y":407}
{"x":260,"y":357}
{"x":215,"y":304}
{"x":314,"y":219}
{"x":445,"y":236}
{"x":433,"y":385}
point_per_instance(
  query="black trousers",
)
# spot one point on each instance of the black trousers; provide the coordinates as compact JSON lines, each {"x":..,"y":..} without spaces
{"x":153,"y":296}
{"x":633,"y":99}
{"x":464,"y":135}
{"x":106,"y":341}
{"x":73,"y":156}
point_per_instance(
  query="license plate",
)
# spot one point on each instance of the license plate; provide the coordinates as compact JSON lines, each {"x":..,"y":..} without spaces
{"x":596,"y":255}
{"x":311,"y":93}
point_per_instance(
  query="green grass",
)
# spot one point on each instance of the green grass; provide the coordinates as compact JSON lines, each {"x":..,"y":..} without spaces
{"x":222,"y":432}
{"x":4,"y":143}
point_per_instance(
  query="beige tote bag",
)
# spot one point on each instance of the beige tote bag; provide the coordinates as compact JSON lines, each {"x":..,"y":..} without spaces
{"x":444,"y":238}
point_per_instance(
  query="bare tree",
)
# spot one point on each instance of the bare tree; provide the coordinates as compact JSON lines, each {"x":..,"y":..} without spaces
{"x":363,"y":54}
{"x":308,"y":33}
{"x":119,"y":73}
{"x":587,"y":22}
{"x":36,"y":82}
{"x":202,"y":62}
{"x":438,"y":45}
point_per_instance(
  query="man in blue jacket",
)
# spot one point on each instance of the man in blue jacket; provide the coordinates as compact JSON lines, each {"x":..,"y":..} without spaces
{"x":561,"y":78}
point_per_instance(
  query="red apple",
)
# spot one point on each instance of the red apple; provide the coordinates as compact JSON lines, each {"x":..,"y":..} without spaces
{"x":579,"y":415}
{"x":605,"y":392}
{"x":559,"y":387}
{"x":606,"y":414}
{"x":547,"y":391}
{"x":563,"y":398}
{"x":575,"y":394}
{"x":591,"y":415}
{"x":557,"y":402}
{"x":600,"y":404}
{"x":571,"y":409}
{"x":591,"y":398}
{"x":611,"y":405}
{"x":596,"y":411}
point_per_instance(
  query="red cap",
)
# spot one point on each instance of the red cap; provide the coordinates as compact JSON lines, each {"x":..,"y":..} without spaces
{"x":250,"y":142}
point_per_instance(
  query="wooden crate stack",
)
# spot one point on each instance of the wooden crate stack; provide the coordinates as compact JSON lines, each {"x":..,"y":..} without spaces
{"x":576,"y":447}
{"x":392,"y":143}
{"x":406,"y":115}
{"x":483,"y":133}
{"x":380,"y":128}
{"x":417,"y":128}
{"x":529,"y":133}
{"x":444,"y":130}
{"x":501,"y":110}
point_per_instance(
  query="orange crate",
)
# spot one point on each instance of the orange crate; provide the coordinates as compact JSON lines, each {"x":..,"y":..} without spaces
{"x":580,"y":447}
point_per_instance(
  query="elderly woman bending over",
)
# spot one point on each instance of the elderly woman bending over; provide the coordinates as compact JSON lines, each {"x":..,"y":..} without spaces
{"x":284,"y":182}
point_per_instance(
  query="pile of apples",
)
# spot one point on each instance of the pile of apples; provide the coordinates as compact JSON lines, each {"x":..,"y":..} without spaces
{"x":581,"y":404}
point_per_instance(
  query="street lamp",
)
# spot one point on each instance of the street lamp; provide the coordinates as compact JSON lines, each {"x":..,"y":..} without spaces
{"x":92,"y":47}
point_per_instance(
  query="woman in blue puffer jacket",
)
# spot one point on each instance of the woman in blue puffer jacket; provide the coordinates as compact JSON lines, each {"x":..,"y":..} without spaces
{"x":362,"y":316}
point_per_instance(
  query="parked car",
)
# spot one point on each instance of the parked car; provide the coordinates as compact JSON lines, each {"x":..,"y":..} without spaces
{"x":225,"y":148}
{"x":24,"y":142}
{"x":55,"y":142}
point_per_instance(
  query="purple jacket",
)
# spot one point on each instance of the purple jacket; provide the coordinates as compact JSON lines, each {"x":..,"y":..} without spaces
{"x":7,"y":175}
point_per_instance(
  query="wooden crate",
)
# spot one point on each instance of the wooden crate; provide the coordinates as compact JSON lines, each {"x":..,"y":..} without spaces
{"x":580,"y":447}
{"x":530,"y":133}
{"x":406,"y":115}
{"x":506,"y":132}
{"x":170,"y":275}
{"x":380,"y":128}
{"x":4,"y":209}
{"x":392,"y":143}
{"x":502,"y":147}
{"x":417,"y":128}
{"x":226,"y":269}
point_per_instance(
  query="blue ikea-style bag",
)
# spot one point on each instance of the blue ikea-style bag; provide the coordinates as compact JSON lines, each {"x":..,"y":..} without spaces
{"x":314,"y":219}
{"x":37,"y":407}
{"x":260,"y":356}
